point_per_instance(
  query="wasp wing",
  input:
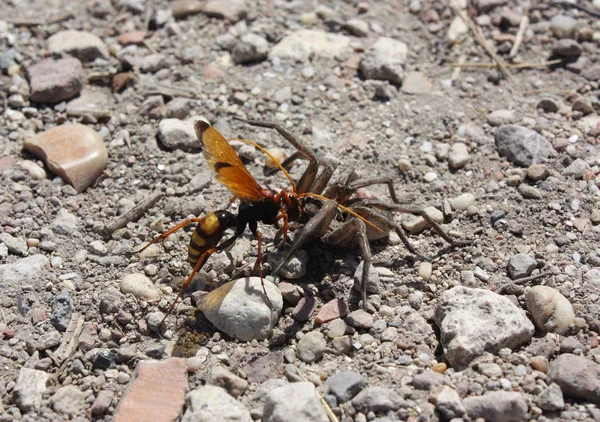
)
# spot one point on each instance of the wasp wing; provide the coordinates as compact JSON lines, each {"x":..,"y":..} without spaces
{"x":224,"y":161}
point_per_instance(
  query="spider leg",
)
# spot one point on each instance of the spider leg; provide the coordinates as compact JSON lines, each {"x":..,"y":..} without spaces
{"x":309,"y":182}
{"x":369,"y":181}
{"x":315,"y":227}
{"x":348,"y":234}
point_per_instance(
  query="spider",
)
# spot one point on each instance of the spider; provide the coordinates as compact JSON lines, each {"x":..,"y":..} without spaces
{"x":323,"y":222}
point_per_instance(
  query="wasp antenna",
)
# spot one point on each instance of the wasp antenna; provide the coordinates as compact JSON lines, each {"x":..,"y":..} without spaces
{"x":255,"y":145}
{"x":348,"y":210}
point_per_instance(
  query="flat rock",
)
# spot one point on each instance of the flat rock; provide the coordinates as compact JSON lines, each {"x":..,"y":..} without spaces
{"x":305,"y":43}
{"x":474,"y":321}
{"x":378,"y":399}
{"x":53,"y":81}
{"x":564,"y":26}
{"x":178,"y":134}
{"x":24,"y":270}
{"x":15,"y":245}
{"x":92,"y":101}
{"x":221,"y":377}
{"x":304,"y":407}
{"x":156,"y":392}
{"x":385,"y":60}
{"x":498,"y":406}
{"x":29,"y":388}
{"x":251,"y":48}
{"x":333,"y":309}
{"x":73,"y":151}
{"x":102,"y":403}
{"x":521,"y":265}
{"x":345,"y":385}
{"x":550,"y":399}
{"x":139,"y":285}
{"x":183,"y":8}
{"x":577,"y":377}
{"x":416,"y":83}
{"x":502,"y":117}
{"x":522,"y":146}
{"x":458,"y":156}
{"x":68,"y":400}
{"x":550,"y":310}
{"x":239,"y":309}
{"x":416,"y":224}
{"x":80,"y":44}
{"x":234,"y":10}
{"x":567,"y":48}
{"x":210,"y":403}
{"x":132,"y":37}
{"x":448,"y":403}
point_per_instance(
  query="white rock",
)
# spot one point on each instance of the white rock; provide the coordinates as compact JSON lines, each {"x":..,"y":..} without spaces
{"x":83,"y":45}
{"x":239,"y":309}
{"x":24,"y":270}
{"x":210,"y":403}
{"x":550,"y":310}
{"x":475,"y":321}
{"x":448,"y":403}
{"x":65,"y":223}
{"x":425,"y":270}
{"x":30,"y":386}
{"x":297,"y":401}
{"x":501,"y":117}
{"x":458,"y":156}
{"x":458,"y":27}
{"x":139,"y":285}
{"x":68,"y":400}
{"x":385,"y":60}
{"x":462,"y":202}
{"x":301,"y":45}
{"x":416,"y":224}
{"x":178,"y":134}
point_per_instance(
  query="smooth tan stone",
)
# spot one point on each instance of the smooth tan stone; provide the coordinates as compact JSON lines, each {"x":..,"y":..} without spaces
{"x":74,"y":152}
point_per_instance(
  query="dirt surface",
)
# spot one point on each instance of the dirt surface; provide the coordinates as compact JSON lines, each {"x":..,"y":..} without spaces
{"x":376,"y":127}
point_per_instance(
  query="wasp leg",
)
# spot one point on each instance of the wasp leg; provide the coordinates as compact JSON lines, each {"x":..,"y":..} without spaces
{"x":166,"y":234}
{"x":309,"y":182}
{"x":349,"y":233}
{"x":315,"y":227}
{"x":197,"y":267}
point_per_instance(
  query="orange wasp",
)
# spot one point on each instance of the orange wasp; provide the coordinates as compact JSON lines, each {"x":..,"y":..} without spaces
{"x":257,"y":203}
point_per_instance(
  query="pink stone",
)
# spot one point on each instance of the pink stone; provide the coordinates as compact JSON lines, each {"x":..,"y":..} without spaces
{"x":304,"y":309}
{"x":155,"y":393}
{"x":74,"y":152}
{"x":336,"y":308}
{"x":7,"y":162}
{"x":133,"y":37}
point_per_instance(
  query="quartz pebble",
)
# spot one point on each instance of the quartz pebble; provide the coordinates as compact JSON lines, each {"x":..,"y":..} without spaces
{"x":550,"y":310}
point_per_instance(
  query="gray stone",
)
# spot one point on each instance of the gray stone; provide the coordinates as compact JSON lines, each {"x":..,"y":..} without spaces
{"x":529,"y":192}
{"x":474,"y":321}
{"x":564,"y":26}
{"x":416,"y":83}
{"x":29,"y":388}
{"x":15,"y":245}
{"x":521,"y":265}
{"x":178,"y":134}
{"x":102,"y":402}
{"x":298,"y":401}
{"x":80,"y":44}
{"x":458,"y":156}
{"x":378,"y":399}
{"x":210,"y":403}
{"x":448,"y":403}
{"x":251,"y":48}
{"x":500,"y":406}
{"x":345,"y":385}
{"x":177,"y":108}
{"x":65,"y":223}
{"x":427,"y":380}
{"x":68,"y":400}
{"x":311,"y":347}
{"x":567,"y":48}
{"x":221,"y":377}
{"x":357,"y":27}
{"x":501,"y":117}
{"x":385,"y":59}
{"x":551,"y":399}
{"x":577,"y":377}
{"x":62,"y":307}
{"x":53,"y":81}
{"x":577,"y":168}
{"x":360,"y":319}
{"x":373,"y":283}
{"x":522,"y":146}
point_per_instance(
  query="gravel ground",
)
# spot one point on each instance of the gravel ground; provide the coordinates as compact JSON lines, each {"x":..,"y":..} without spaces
{"x":96,"y":120}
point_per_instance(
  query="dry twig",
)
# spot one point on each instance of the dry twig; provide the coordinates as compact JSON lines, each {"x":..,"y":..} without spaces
{"x":510,"y":66}
{"x":584,"y":9}
{"x":133,"y":214}
{"x":520,"y":35}
{"x":480,"y":38}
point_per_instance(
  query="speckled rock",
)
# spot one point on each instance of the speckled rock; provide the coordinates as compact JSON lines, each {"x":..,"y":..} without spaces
{"x":52,"y":81}
{"x":83,"y":45}
{"x":210,"y":403}
{"x":305,"y":43}
{"x":385,"y":59}
{"x":522,"y":146}
{"x":577,"y":377}
{"x":298,"y":400}
{"x":498,"y":406}
{"x":74,"y":152}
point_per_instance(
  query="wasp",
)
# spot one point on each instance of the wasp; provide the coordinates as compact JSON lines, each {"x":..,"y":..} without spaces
{"x":257,"y":204}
